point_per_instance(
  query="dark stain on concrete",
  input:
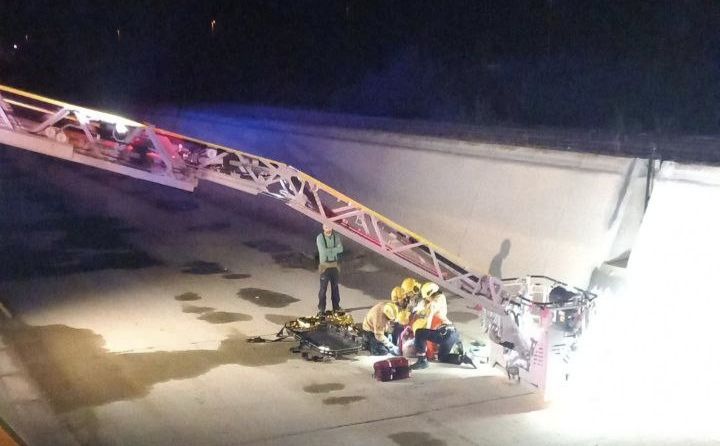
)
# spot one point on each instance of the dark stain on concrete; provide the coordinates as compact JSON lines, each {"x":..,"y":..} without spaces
{"x":415,"y":439}
{"x":236,"y":276}
{"x":77,"y":244}
{"x":90,"y":232}
{"x":74,"y":370}
{"x":217,"y":226}
{"x":68,"y":242}
{"x":7,"y":175}
{"x":280,"y":319}
{"x":223,"y":317}
{"x":323,"y":388}
{"x":267,"y":246}
{"x":462,"y":316}
{"x":295,"y":260}
{"x":342,"y":400}
{"x":188,"y":296}
{"x":266,"y":298}
{"x":176,"y":205}
{"x":195,"y":309}
{"x":84,"y":425}
{"x":202,"y":267}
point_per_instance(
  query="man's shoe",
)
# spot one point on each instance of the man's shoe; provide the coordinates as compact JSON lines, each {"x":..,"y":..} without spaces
{"x":421,"y":363}
{"x":468,"y":360}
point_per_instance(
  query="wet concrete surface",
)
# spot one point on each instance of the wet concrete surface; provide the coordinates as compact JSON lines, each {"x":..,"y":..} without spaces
{"x":357,"y":271}
{"x":224,"y":317}
{"x":416,"y":439}
{"x":188,"y":296}
{"x":323,"y":388}
{"x":266,"y":298}
{"x":43,"y":236}
{"x":210,"y":227}
{"x":201,"y":267}
{"x":295,"y":260}
{"x":268,"y":246}
{"x":74,"y":370}
{"x":236,"y":276}
{"x":176,"y":205}
{"x":196,"y":309}
{"x":280,"y":319}
{"x":283,"y":254}
{"x":342,"y":400}
{"x":462,"y":316}
{"x":145,"y":356}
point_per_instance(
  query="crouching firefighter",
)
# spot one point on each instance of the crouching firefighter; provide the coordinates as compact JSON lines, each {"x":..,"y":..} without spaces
{"x":445,"y":335}
{"x":377,"y":323}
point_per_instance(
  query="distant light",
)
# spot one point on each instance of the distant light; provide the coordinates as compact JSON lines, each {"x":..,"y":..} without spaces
{"x":118,"y":33}
{"x":27,"y":37}
{"x":15,"y":46}
{"x":212,"y":26}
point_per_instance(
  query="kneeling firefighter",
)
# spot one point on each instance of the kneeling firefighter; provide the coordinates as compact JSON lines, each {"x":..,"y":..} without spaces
{"x":399,"y":297}
{"x":377,"y":323}
{"x":445,"y":336}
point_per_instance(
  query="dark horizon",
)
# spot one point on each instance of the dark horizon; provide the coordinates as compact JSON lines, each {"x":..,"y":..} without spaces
{"x":628,"y":67}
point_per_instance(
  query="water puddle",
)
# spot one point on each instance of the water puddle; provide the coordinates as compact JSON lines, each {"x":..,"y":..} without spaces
{"x":416,"y":439}
{"x":295,"y":260}
{"x":224,"y":317}
{"x":176,"y":205}
{"x":218,"y":226}
{"x":236,"y":276}
{"x":74,"y":370}
{"x":267,"y":246}
{"x":195,"y":309}
{"x":266,"y":298}
{"x":323,"y":388}
{"x":188,"y":296}
{"x":201,"y":267}
{"x":342,"y":400}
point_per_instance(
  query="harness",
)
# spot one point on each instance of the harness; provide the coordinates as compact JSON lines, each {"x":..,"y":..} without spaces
{"x":334,"y":244}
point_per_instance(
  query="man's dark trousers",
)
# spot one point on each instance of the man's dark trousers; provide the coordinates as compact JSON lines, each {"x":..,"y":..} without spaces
{"x":331,"y":276}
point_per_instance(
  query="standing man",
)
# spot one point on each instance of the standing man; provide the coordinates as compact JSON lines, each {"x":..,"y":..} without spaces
{"x":329,"y":248}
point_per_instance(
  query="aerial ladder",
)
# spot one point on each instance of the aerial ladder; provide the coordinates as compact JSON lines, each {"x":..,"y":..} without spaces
{"x":533,"y":321}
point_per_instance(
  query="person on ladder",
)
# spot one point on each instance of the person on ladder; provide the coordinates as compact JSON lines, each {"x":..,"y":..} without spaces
{"x":329,"y":247}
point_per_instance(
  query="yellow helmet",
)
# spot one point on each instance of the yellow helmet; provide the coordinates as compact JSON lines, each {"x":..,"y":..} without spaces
{"x":429,"y":289}
{"x":391,"y":311}
{"x":410,"y":285}
{"x":397,"y":295}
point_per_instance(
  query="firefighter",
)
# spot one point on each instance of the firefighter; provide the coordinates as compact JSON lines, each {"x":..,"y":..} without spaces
{"x":411,"y":287}
{"x":377,"y":323}
{"x":434,"y":307}
{"x":398,"y":296}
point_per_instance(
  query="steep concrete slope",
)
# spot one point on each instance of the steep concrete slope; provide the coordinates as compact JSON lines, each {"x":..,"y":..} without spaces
{"x":507,"y":210}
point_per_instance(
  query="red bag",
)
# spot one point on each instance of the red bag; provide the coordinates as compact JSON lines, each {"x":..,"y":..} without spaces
{"x":392,"y":369}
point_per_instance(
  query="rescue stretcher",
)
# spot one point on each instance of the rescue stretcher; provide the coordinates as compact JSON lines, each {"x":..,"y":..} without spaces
{"x":332,"y":335}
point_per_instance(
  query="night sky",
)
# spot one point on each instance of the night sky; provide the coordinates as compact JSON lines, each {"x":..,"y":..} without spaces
{"x":626,"y":66}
